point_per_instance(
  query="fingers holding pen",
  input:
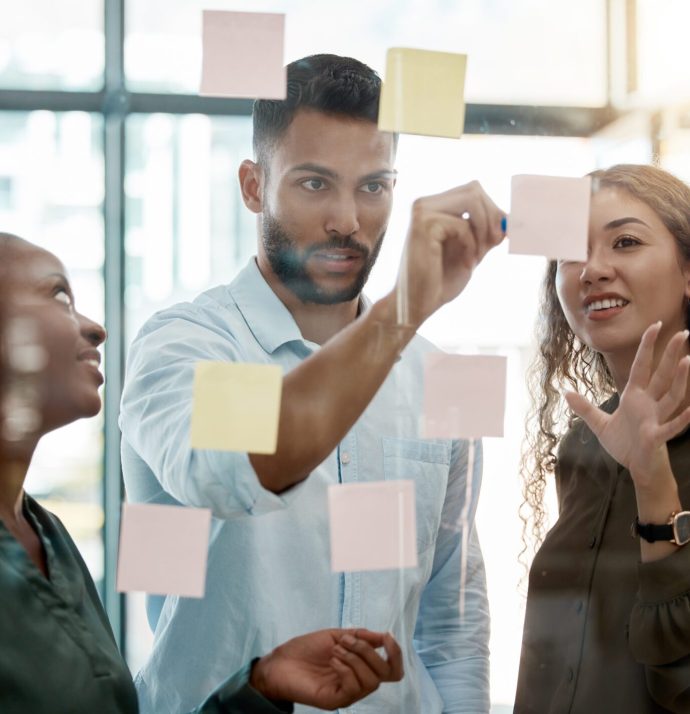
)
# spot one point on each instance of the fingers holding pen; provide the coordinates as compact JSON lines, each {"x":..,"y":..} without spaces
{"x":475,"y":208}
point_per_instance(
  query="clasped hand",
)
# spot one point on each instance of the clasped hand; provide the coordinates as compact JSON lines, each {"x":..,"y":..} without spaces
{"x":328,"y":669}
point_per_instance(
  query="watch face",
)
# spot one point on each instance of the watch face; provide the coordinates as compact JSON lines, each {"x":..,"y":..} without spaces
{"x":681,"y":528}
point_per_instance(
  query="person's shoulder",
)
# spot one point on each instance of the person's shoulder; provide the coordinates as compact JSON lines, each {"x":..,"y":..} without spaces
{"x":53,"y":528}
{"x":43,"y":515}
{"x":209,"y":308}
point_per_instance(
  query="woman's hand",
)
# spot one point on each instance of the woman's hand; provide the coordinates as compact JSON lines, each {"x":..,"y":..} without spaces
{"x":647,"y":416}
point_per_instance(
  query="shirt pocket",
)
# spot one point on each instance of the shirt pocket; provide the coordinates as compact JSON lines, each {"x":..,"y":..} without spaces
{"x":427,"y":464}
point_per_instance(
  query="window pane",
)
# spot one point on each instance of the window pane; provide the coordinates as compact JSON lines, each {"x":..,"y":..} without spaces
{"x":186,"y":225}
{"x":507,"y":42}
{"x":51,"y":192}
{"x":51,"y":45}
{"x":663,"y":76}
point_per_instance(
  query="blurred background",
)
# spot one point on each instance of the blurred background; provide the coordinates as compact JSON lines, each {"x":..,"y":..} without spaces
{"x":110,"y":159}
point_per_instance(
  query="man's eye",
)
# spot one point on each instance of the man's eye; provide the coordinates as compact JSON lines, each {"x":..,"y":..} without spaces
{"x":314,"y":184}
{"x":373,"y":187}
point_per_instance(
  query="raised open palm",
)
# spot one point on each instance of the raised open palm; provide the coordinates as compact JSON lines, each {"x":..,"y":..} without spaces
{"x":647,"y":416}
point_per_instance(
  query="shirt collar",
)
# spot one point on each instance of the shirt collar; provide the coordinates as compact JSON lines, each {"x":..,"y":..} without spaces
{"x":269,"y":320}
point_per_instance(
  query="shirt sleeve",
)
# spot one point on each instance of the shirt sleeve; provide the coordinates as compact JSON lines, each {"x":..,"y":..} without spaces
{"x":156,"y":415}
{"x":237,"y":696}
{"x":452,"y":632}
{"x":660,"y":628}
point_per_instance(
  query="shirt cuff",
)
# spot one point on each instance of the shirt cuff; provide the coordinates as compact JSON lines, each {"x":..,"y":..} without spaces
{"x":665,"y":579}
{"x":236,"y":695}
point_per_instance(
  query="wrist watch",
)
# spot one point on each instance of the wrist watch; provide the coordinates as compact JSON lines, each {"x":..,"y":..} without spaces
{"x":675,"y":530}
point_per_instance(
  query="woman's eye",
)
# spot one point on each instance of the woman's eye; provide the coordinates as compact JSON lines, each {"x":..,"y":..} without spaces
{"x":63,"y":296}
{"x":626,"y":242}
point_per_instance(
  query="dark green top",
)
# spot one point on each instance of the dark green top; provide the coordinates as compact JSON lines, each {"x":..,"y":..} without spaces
{"x":604,"y":632}
{"x":58,"y":653}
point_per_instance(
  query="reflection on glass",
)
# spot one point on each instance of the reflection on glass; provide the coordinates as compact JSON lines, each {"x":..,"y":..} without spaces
{"x":51,"y":191}
{"x":506,"y":42}
{"x":51,"y":45}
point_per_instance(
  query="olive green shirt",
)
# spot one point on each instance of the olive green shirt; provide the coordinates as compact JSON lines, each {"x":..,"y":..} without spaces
{"x":57,"y":651}
{"x":604,"y":632}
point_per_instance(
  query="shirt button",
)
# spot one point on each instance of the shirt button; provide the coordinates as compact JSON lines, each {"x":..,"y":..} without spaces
{"x":592,"y":541}
{"x":344,"y":458}
{"x":579,"y":606}
{"x":571,"y":674}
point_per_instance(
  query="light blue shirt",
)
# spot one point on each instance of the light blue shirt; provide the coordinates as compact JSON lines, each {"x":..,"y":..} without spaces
{"x":269,"y":576}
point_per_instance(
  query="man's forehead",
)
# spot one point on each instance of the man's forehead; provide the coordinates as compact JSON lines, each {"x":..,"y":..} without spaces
{"x":318,"y":137}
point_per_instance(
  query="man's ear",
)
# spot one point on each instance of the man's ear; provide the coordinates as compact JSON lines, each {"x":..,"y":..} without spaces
{"x":251,"y":177}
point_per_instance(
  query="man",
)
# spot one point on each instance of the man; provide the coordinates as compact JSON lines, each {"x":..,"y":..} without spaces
{"x":322,"y":187}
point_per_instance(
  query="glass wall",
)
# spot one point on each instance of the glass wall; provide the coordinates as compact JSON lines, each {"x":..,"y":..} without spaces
{"x":184,"y":227}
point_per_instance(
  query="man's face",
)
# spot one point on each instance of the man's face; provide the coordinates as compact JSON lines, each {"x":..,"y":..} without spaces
{"x":326,"y":201}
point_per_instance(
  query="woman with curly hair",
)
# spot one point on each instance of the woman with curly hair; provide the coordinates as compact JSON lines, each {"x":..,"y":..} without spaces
{"x":607,"y":627}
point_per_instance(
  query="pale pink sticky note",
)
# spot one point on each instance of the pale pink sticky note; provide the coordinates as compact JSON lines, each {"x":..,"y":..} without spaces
{"x":243,"y":55}
{"x":163,"y":549}
{"x":549,"y":215}
{"x":373,"y":526}
{"x":464,"y":396}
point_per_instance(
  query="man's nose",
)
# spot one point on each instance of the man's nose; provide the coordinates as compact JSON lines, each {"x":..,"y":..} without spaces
{"x":343,"y":216}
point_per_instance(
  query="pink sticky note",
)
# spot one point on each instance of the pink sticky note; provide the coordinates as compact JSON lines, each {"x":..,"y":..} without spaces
{"x":549,"y":215}
{"x":163,"y":549}
{"x":373,"y":526}
{"x":243,"y":55}
{"x":464,"y":396}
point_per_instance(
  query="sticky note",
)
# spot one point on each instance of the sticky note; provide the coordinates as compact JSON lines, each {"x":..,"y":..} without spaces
{"x":236,"y":407}
{"x":549,"y":215}
{"x":423,"y":93}
{"x":464,"y":396}
{"x":163,"y":549}
{"x":373,"y":526}
{"x":243,"y":55}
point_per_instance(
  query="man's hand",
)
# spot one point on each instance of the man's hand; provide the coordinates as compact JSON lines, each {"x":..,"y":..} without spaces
{"x":328,"y":669}
{"x":449,"y":235}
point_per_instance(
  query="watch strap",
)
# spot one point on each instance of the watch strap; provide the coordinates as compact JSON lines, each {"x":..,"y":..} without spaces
{"x":652,"y":532}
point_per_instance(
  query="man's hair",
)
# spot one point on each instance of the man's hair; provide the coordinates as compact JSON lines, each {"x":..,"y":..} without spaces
{"x":341,"y":86}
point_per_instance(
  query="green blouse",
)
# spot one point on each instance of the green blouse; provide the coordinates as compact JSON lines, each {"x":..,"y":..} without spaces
{"x":58,"y":653}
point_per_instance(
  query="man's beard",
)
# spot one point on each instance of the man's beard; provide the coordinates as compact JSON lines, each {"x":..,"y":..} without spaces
{"x":290,"y":264}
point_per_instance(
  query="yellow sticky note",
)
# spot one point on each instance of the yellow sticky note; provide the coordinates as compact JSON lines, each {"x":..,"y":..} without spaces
{"x":423,"y":93}
{"x":236,"y":407}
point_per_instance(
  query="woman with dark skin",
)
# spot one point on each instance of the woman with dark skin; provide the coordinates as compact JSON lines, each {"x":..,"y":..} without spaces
{"x":607,"y":627}
{"x":58,"y":653}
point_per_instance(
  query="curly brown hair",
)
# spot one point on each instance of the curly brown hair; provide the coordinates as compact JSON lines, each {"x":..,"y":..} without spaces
{"x":564,"y":362}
